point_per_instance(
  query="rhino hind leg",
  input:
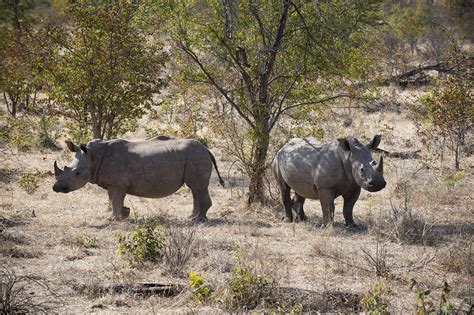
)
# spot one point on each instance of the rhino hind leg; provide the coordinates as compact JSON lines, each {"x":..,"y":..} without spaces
{"x":298,"y":202}
{"x":287,"y":203}
{"x":204,"y":202}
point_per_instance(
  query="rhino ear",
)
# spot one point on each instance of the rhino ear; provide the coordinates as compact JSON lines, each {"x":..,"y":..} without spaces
{"x":83,"y":148}
{"x":374,"y":143}
{"x":344,"y":144}
{"x":71,"y":146}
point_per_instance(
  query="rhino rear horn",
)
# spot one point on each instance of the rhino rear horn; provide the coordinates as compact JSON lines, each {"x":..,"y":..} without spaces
{"x":71,"y":146}
{"x":57,"y":170}
{"x":380,"y":165}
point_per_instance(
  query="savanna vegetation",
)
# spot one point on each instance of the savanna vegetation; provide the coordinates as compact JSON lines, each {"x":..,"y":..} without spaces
{"x":242,"y":77}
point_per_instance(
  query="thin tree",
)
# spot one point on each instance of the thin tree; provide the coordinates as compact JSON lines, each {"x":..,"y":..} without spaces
{"x":268,"y":57}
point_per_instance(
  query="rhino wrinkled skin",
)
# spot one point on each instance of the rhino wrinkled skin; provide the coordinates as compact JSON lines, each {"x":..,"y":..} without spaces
{"x":153,"y":168}
{"x":325,"y":171}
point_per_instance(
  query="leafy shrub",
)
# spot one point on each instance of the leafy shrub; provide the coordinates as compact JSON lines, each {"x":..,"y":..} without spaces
{"x":18,"y":132}
{"x":180,"y":246}
{"x":29,"y":182}
{"x":248,"y":288}
{"x":447,"y":113}
{"x":426,"y":305}
{"x":374,"y":301}
{"x":145,"y":242}
{"x":201,"y":290}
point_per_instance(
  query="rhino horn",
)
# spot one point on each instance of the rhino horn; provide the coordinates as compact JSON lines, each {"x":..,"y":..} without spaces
{"x":57,"y":170}
{"x":380,"y":165}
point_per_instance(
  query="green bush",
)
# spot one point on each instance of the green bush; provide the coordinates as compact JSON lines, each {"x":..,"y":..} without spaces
{"x":201,"y":290}
{"x":145,"y":242}
{"x":248,"y":287}
{"x":374,"y":301}
{"x":426,"y":305}
{"x":18,"y":132}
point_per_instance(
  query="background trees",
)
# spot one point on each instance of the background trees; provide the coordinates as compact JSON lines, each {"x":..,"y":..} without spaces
{"x":106,"y":69}
{"x":267,"y":58}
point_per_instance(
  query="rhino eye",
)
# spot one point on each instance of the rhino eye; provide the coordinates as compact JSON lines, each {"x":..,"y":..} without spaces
{"x":362,"y":170}
{"x":77,"y":173}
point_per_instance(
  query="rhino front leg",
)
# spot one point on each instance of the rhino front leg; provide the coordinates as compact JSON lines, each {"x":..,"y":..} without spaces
{"x":349,"y":202}
{"x":116,"y":197}
{"x":326,"y":197}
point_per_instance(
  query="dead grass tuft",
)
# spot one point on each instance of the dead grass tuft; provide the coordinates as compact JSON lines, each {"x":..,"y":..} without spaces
{"x":407,"y":227}
{"x":181,"y":245}
{"x":458,"y":258}
{"x":21,"y":294}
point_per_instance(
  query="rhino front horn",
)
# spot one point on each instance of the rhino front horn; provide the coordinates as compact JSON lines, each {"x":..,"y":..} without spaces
{"x":57,"y":170}
{"x":380,"y":166}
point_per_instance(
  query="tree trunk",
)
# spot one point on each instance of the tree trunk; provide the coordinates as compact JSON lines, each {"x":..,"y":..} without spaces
{"x":258,"y":167}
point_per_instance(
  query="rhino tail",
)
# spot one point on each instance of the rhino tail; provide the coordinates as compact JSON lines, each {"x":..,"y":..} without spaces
{"x":213,"y":159}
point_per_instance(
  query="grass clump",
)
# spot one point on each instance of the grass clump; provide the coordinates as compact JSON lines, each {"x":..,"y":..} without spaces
{"x":29,"y":182}
{"x":145,"y":242}
{"x":201,"y":289}
{"x":21,"y":294}
{"x":458,"y":258}
{"x":82,"y":241}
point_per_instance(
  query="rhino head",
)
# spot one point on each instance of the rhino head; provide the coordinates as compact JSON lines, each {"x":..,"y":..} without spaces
{"x":77,"y":174}
{"x":366,"y":172}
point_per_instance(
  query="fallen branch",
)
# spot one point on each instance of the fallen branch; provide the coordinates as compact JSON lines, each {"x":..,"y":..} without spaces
{"x":145,"y":289}
{"x":398,"y":154}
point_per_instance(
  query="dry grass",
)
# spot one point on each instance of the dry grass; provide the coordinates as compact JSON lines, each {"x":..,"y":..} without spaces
{"x":66,"y":239}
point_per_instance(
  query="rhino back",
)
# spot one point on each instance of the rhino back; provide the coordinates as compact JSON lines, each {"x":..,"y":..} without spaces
{"x":151,"y":168}
{"x":307,"y":165}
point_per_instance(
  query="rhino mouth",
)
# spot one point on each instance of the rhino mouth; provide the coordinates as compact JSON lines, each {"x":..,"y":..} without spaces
{"x":374,"y":188}
{"x":61,"y":189}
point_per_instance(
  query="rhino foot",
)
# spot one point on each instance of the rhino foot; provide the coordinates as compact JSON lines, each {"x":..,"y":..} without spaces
{"x":286,"y":219}
{"x":354,"y":227}
{"x":327,"y":225}
{"x":198,"y":219}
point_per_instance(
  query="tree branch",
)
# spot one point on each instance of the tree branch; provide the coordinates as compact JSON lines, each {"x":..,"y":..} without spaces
{"x":213,"y":81}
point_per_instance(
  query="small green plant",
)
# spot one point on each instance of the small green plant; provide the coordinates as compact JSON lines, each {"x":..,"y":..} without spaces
{"x":82,"y":240}
{"x":426,"y":305}
{"x":248,"y":287}
{"x":29,"y":182}
{"x":451,"y":180}
{"x":145,"y":242}
{"x":201,"y":290}
{"x":374,"y":301}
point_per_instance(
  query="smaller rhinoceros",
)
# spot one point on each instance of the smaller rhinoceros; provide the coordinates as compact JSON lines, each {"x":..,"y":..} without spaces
{"x":324,"y":172}
{"x":154,"y":168}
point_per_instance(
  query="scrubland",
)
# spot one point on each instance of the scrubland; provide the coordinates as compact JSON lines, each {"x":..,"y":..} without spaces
{"x":57,"y":248}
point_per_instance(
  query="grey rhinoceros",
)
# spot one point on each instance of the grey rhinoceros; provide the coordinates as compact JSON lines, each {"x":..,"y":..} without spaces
{"x":324,"y":172}
{"x":153,"y":168}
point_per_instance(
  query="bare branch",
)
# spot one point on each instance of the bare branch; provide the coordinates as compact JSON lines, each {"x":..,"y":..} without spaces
{"x":213,"y":81}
